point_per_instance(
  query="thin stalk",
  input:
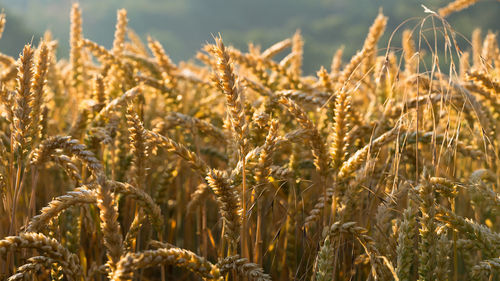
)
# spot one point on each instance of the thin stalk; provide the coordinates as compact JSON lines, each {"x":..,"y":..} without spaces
{"x":162,"y":268}
{"x":325,"y":207}
{"x":204,"y":248}
{"x":244,"y":245}
{"x":455,"y":253}
{"x":258,"y":234}
{"x":17,"y":191}
{"x":34,"y":181}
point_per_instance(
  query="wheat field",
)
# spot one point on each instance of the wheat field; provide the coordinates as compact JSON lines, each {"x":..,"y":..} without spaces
{"x":121,"y":165}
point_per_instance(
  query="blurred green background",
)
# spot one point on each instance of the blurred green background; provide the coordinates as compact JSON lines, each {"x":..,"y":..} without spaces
{"x":184,"y":26}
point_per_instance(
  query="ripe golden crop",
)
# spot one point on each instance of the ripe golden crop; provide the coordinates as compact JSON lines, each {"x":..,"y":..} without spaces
{"x":120,"y":164}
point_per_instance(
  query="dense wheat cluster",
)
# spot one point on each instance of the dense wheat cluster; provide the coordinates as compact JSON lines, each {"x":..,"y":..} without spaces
{"x":122,"y":165}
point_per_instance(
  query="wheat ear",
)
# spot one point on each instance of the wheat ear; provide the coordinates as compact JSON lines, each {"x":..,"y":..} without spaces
{"x":455,"y":6}
{"x":121,"y":29}
{"x":39,"y":81}
{"x":171,"y":256}
{"x":486,"y":268}
{"x":406,"y":244}
{"x":325,"y":261}
{"x":73,"y":148}
{"x":37,"y":264}
{"x":244,"y":268}
{"x":58,"y":204}
{"x":75,"y":42}
{"x":183,"y":152}
{"x":49,"y":246}
{"x":22,"y":108}
{"x":276,"y":48}
{"x":2,"y":23}
{"x":113,"y":240}
{"x":230,"y":206}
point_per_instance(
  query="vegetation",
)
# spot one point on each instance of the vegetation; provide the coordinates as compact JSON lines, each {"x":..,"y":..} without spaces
{"x":183,"y":26}
{"x":119,"y":164}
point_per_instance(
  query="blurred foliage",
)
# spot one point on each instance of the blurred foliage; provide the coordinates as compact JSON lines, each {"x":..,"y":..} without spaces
{"x":182,"y":26}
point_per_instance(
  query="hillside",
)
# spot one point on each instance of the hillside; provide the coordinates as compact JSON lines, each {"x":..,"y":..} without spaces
{"x":182,"y":25}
